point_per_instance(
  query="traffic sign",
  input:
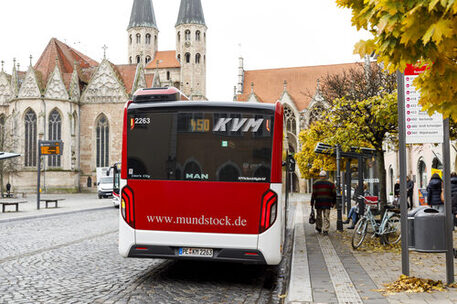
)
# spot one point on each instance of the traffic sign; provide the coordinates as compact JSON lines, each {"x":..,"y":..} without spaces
{"x":421,"y":128}
{"x":50,"y":147}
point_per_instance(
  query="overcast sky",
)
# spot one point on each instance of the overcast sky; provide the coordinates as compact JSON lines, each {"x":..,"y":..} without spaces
{"x":267,"y":33}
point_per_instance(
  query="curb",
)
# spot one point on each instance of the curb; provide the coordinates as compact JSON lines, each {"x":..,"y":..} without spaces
{"x":31,"y":217}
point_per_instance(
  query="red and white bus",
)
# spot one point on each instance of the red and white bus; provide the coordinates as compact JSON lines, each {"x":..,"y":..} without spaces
{"x":201,"y":180}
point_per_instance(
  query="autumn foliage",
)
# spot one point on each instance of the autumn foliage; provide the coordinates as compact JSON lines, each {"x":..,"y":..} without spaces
{"x":413,"y":31}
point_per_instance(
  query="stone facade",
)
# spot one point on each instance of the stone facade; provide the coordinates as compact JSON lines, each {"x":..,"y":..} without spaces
{"x":191,"y":51}
{"x":143,"y":44}
{"x":70,"y":97}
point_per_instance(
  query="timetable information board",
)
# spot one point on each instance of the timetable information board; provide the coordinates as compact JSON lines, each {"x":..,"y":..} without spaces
{"x":421,"y":128}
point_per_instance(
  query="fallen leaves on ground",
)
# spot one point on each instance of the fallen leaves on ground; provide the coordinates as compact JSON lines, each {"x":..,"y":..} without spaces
{"x":411,"y":284}
{"x":371,"y":244}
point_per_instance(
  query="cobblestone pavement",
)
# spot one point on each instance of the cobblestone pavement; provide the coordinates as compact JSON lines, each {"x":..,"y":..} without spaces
{"x":73,"y":258}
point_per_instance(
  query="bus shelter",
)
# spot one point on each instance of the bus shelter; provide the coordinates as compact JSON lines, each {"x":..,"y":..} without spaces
{"x":344,"y":193}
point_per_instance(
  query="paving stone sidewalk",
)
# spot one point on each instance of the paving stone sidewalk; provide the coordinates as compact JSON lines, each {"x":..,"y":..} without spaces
{"x":328,"y":270}
{"x":71,"y":203}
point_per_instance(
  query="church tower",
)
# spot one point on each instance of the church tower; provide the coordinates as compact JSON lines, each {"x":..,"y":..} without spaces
{"x":142,"y":32}
{"x":191,"y":48}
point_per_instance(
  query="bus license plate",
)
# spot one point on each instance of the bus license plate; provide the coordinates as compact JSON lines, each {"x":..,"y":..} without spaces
{"x":196,"y":252}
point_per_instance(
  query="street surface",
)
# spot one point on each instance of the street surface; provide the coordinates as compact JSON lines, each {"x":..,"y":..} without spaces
{"x":73,"y":258}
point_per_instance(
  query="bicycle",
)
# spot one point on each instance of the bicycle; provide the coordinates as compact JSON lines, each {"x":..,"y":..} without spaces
{"x":388,"y":229}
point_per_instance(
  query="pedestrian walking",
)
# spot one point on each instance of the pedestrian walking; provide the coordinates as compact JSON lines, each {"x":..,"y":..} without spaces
{"x":396,"y":202}
{"x":410,"y":191}
{"x":454,"y":196}
{"x":434,"y":191}
{"x":323,"y":199}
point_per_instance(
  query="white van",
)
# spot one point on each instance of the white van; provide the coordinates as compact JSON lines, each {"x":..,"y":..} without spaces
{"x":104,"y":183}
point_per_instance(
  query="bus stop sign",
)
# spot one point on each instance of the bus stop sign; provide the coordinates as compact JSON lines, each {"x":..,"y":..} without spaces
{"x":51,"y":147}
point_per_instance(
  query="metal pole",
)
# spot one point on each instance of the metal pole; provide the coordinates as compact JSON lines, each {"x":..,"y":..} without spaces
{"x":348,"y":185}
{"x":402,"y":155}
{"x":449,"y":223}
{"x":360,"y":185}
{"x":339,"y":221}
{"x":38,"y":178}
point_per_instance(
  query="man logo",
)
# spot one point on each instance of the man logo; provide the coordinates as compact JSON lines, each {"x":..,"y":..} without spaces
{"x":197,"y":176}
{"x":235,"y":124}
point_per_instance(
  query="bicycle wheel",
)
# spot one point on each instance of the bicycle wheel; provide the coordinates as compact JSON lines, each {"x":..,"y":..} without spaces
{"x":392,"y":230}
{"x":360,"y":231}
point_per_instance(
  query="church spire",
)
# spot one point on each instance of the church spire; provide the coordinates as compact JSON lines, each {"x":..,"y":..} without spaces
{"x":142,"y":14}
{"x":191,"y":12}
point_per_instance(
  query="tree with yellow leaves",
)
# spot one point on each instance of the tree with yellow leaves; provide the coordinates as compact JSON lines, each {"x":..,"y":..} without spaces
{"x":362,"y":113}
{"x":413,"y":32}
{"x":310,"y":163}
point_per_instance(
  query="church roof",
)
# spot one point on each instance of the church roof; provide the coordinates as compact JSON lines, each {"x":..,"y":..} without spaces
{"x":66,"y":58}
{"x":301,"y":82}
{"x":167,"y":59}
{"x":191,"y":12}
{"x":127,"y":75}
{"x":142,"y":14}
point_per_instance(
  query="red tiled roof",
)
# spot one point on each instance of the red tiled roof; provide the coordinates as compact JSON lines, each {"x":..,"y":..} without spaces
{"x":127,"y":74}
{"x":66,"y":57}
{"x":301,"y":82}
{"x":167,"y":59}
{"x":149,"y":80}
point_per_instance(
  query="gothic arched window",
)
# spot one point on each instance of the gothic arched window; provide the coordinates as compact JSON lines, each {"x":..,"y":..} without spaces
{"x":187,"y":57}
{"x":148,"y":58}
{"x":30,"y":124}
{"x":2,"y":132}
{"x":102,"y":142}
{"x":130,"y":39}
{"x":138,"y":58}
{"x":187,"y":35}
{"x":179,"y":58}
{"x":138,"y":38}
{"x":315,"y":114}
{"x":197,"y":58}
{"x":130,"y":60}
{"x":197,"y":35}
{"x":179,"y":36}
{"x":168,"y":75}
{"x":291,"y":124}
{"x":422,"y":170}
{"x":148,"y":38}
{"x":55,"y":133}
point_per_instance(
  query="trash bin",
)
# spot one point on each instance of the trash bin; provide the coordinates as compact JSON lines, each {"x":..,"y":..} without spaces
{"x":429,"y":231}
{"x":411,"y":215}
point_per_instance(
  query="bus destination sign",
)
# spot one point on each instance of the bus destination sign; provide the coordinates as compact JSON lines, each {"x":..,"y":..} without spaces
{"x":51,"y":147}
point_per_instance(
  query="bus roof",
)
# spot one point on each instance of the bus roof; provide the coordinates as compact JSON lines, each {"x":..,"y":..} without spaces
{"x":203,"y":104}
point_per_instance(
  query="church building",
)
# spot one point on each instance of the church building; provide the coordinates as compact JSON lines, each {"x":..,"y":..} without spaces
{"x":68,"y":96}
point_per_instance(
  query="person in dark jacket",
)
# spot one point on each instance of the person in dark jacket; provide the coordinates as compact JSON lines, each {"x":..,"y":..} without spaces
{"x":323,"y":199}
{"x":434,"y":189}
{"x":454,"y":196}
{"x":397,"y":193}
{"x":410,"y":191}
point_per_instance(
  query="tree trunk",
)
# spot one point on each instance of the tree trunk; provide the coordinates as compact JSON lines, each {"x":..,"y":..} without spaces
{"x":382,"y":179}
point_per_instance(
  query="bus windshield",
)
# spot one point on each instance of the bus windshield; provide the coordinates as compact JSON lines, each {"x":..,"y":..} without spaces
{"x":203,"y":145}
